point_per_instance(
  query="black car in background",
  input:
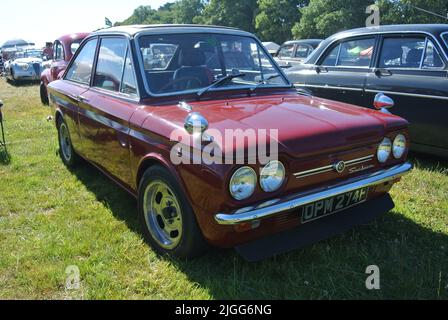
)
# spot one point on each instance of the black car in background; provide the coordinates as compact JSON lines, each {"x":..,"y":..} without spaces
{"x":293,"y":53}
{"x":409,"y":63}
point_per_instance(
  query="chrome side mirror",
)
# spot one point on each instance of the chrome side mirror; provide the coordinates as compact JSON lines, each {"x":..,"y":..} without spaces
{"x":383,"y":102}
{"x":195,"y":121}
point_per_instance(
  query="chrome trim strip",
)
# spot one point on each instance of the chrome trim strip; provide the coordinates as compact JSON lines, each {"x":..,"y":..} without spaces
{"x":329,"y":168}
{"x":301,"y":200}
{"x":415,"y":95}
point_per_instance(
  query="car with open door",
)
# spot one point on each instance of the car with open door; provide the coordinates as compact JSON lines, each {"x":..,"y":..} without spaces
{"x":62,"y":51}
{"x":407,"y":62}
{"x":216,"y":144}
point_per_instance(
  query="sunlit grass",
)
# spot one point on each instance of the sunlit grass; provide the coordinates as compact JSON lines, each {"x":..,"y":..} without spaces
{"x":52,"y":218}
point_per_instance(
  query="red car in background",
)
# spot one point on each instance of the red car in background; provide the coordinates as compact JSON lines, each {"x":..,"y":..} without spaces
{"x":63,"y":50}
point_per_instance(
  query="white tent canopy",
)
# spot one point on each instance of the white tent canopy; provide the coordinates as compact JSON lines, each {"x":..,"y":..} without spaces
{"x":271,"y":46}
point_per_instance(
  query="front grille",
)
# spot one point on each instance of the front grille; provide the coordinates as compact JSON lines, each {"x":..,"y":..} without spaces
{"x":331,"y":167}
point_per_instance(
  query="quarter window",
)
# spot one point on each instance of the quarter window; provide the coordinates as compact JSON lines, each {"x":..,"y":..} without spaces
{"x":109,"y":68}
{"x":81,"y":69}
{"x":432,"y":57}
{"x":286,"y":51}
{"x":129,"y":85}
{"x":352,"y":53}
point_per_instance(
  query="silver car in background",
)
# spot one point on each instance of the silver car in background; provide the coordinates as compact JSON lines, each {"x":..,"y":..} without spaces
{"x":25,"y":66}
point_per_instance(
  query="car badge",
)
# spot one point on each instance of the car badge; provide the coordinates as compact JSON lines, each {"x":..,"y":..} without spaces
{"x":339,"y":167}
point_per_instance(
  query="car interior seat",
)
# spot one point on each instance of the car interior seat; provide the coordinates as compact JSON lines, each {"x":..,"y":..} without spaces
{"x":192,"y":65}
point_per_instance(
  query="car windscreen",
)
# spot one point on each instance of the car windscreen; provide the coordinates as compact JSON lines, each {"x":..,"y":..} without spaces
{"x":175,"y":63}
{"x":33,"y":54}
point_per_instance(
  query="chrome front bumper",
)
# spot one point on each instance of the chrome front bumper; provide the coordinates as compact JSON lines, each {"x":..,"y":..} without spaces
{"x":273,"y":207}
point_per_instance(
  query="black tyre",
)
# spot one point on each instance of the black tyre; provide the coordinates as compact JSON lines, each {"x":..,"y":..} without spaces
{"x":43,"y":94}
{"x":66,"y":151}
{"x":168,"y":222}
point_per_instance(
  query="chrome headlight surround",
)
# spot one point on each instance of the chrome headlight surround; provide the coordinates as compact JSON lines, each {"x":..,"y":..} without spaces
{"x":384,"y":150}
{"x":272,"y":176}
{"x":243,"y":183}
{"x":399,"y":146}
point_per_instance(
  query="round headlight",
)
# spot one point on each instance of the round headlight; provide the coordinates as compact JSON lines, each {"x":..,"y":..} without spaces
{"x":399,"y":147}
{"x":272,"y":176}
{"x":384,"y":150}
{"x":243,"y":182}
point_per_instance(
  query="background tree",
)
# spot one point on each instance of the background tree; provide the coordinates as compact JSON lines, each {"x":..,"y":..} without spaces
{"x":322,"y":18}
{"x":184,"y":11}
{"x":277,"y":17}
{"x":405,"y":11}
{"x":239,"y":14}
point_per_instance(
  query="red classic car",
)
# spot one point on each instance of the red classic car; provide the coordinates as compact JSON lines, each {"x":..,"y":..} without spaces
{"x":203,"y":128}
{"x":63,"y":50}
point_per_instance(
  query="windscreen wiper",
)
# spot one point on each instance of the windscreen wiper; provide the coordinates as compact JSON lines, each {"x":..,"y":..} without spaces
{"x":220,"y":82}
{"x":263,"y":82}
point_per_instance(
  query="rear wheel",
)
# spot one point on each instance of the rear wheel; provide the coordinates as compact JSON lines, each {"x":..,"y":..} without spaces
{"x":43,"y":94}
{"x":66,"y":151}
{"x":168,"y":222}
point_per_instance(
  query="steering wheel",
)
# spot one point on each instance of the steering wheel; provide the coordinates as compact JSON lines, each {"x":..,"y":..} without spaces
{"x":182,"y":79}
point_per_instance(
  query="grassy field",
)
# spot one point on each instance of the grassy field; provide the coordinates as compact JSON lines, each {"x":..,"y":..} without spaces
{"x":52,"y":218}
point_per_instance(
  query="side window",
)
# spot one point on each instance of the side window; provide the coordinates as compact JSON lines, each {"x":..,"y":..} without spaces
{"x":109,"y":67}
{"x":81,"y":69}
{"x":332,"y":57}
{"x":58,"y":51}
{"x":129,"y":85}
{"x":402,"y":52}
{"x":432,"y":57}
{"x":356,"y":53}
{"x":303,"y":51}
{"x":286,"y":51}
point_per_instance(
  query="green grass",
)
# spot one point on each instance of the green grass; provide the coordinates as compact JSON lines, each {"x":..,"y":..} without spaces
{"x":52,"y":218}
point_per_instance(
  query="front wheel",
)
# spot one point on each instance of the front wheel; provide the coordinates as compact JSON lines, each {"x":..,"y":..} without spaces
{"x":168,"y":222}
{"x":43,"y":94}
{"x":66,"y":151}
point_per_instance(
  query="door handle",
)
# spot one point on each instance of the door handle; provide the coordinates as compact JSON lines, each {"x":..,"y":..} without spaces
{"x":82,"y":99}
{"x":320,"y":69}
{"x":379,"y":72}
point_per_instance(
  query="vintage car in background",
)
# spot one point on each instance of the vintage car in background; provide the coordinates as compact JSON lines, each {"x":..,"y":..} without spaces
{"x":63,"y":50}
{"x":333,"y":170}
{"x":293,"y":53}
{"x":24,"y":66}
{"x":407,"y":62}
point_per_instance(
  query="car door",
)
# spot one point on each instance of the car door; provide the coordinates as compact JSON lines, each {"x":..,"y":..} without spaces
{"x":340,"y":73}
{"x":412,"y":70}
{"x":76,"y":83}
{"x":58,"y":64}
{"x":107,"y":108}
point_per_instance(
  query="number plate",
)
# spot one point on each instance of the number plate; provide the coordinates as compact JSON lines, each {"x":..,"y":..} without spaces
{"x":333,"y":205}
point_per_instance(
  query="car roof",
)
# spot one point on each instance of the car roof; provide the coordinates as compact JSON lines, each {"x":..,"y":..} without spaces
{"x":73,"y":37}
{"x":430,"y":28}
{"x":307,"y":41}
{"x":133,"y":30}
{"x":399,"y":28}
